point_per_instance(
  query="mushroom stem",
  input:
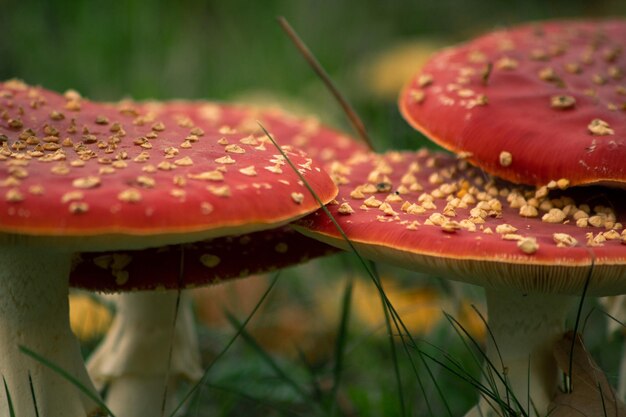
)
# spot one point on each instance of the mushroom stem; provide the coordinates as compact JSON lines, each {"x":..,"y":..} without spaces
{"x":134,"y":358}
{"x":34,"y":313}
{"x":525,"y":328}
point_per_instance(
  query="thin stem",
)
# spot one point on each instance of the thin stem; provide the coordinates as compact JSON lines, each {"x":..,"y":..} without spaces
{"x":356,"y":122}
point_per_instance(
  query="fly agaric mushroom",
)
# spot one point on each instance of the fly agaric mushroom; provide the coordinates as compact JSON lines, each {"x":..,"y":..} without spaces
{"x":132,"y":362}
{"x":85,"y":177}
{"x":135,"y":368}
{"x":121,"y":271}
{"x":531,"y":250}
{"x":512,"y":100}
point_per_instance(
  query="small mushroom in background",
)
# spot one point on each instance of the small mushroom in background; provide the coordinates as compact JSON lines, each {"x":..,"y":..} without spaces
{"x":540,"y":104}
{"x":523,"y":245}
{"x":82,"y":177}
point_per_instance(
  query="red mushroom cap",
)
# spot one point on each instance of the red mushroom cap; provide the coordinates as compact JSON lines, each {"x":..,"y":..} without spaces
{"x":433,"y":212}
{"x":214,"y":260}
{"x":72,"y":168}
{"x":320,"y":142}
{"x":532,"y":104}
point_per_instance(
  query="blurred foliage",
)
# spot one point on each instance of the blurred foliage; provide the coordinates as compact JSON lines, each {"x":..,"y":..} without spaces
{"x":89,"y":317}
{"x":219,"y":49}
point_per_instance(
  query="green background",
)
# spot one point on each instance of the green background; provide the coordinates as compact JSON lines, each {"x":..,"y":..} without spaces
{"x":218,"y":49}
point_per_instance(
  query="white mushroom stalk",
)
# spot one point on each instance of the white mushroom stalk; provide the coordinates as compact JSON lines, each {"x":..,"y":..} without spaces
{"x":34,"y":313}
{"x":134,"y":361}
{"x":525,"y":328}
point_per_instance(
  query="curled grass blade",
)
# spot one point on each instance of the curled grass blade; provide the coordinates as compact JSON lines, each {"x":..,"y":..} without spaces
{"x":491,"y":335}
{"x":404,"y":333}
{"x":68,"y":377}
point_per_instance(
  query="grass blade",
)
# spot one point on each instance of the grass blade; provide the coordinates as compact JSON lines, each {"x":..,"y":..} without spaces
{"x":316,"y":388}
{"x":458,"y":365}
{"x":491,"y":369}
{"x":319,"y":70}
{"x":460,"y":373}
{"x":604,"y":412}
{"x":10,"y":402}
{"x":32,"y":393}
{"x":268,"y":404}
{"x":615,"y":319}
{"x":392,"y":345}
{"x":202,"y":381}
{"x":314,"y":194}
{"x":340,"y":346}
{"x":280,"y":373}
{"x":67,"y":376}
{"x":367,"y":266}
{"x":569,"y":379}
{"x":181,"y":276}
{"x":482,"y":389}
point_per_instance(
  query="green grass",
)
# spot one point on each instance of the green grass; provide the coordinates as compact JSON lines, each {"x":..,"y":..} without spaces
{"x":250,"y":380}
{"x":10,"y":401}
